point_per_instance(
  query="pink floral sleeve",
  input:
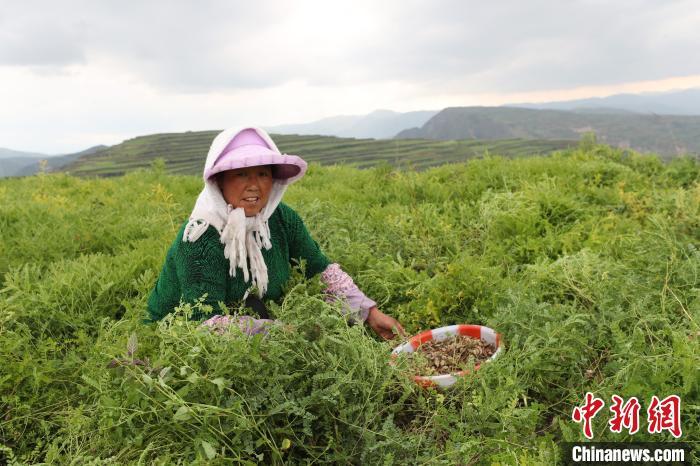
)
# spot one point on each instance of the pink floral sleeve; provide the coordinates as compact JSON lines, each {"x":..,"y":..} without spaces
{"x":340,"y":286}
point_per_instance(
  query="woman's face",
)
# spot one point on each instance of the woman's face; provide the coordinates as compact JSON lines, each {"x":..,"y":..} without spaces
{"x":247,"y":187}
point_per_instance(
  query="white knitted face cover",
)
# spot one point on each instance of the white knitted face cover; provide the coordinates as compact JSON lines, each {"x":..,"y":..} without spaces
{"x":243,"y":237}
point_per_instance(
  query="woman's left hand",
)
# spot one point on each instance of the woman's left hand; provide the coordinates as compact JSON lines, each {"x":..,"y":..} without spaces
{"x":383,"y":324}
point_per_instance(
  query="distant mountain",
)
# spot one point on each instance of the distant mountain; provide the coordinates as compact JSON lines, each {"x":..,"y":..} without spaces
{"x":380,"y":124}
{"x":667,"y":135}
{"x":16,"y":163}
{"x":15,"y":154}
{"x":602,"y":110}
{"x":10,"y":166}
{"x":685,"y":102}
{"x":12,"y":161}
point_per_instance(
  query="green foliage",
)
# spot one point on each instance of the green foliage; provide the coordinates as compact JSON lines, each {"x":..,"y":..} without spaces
{"x":586,"y":261}
{"x":588,"y":140}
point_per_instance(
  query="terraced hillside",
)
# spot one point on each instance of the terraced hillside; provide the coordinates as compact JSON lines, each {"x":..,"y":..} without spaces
{"x":184,"y":153}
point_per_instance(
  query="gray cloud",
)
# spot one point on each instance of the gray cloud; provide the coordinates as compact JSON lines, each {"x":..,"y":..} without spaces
{"x":537,"y":45}
{"x":40,"y":42}
{"x":470,"y":46}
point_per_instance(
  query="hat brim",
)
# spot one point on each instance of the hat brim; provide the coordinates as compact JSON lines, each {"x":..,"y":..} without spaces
{"x":285,"y":167}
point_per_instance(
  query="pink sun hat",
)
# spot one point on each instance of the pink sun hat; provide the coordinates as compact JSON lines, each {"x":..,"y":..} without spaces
{"x":252,"y":147}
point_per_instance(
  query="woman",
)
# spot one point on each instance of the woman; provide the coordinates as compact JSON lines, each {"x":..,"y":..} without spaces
{"x":240,"y":239}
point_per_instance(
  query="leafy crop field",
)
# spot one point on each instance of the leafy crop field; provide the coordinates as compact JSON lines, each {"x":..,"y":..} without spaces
{"x":587,"y":261}
{"x":183,"y":152}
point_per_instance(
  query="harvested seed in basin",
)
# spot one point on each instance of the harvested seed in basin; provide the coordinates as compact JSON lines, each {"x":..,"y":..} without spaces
{"x":451,"y":355}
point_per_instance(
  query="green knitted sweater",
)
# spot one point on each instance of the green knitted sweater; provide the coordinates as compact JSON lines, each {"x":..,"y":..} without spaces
{"x":193,"y":269}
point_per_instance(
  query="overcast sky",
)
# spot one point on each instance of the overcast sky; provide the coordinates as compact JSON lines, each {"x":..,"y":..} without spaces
{"x":78,"y":73}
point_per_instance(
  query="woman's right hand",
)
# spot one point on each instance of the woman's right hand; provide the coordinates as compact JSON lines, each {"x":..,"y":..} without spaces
{"x":384,"y":325}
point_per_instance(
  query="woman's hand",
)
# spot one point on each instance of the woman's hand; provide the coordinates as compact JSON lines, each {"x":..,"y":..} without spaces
{"x":383,"y":324}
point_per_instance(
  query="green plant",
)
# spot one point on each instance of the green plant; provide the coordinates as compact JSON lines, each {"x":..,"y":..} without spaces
{"x":586,"y":261}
